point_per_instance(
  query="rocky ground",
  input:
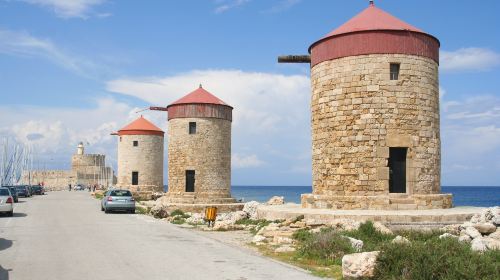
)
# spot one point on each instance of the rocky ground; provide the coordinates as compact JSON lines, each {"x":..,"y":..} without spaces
{"x":242,"y":228}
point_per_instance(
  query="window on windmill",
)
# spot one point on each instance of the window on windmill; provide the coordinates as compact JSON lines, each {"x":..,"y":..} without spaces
{"x":394,"y":71}
{"x":192,"y":128}
{"x":136,"y":143}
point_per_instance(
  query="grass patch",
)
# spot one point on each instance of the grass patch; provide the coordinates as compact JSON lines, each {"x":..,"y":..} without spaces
{"x":141,"y":210}
{"x":302,"y":235}
{"x":435,"y":258}
{"x":330,"y":271}
{"x":372,"y":238}
{"x":179,"y":213}
{"x":326,"y":247}
{"x":98,"y":195}
{"x":178,"y":220}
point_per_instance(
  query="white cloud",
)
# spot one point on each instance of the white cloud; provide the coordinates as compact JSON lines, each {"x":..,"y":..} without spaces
{"x":282,"y":6}
{"x":225,"y":5}
{"x":68,"y":8}
{"x":469,"y":59}
{"x":271,"y":117}
{"x":471,"y":140}
{"x":25,"y":45}
{"x":245,"y":161}
{"x":55,"y":132}
{"x":261,"y":100}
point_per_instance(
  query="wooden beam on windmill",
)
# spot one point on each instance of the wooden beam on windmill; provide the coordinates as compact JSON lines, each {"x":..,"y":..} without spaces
{"x":294,"y":59}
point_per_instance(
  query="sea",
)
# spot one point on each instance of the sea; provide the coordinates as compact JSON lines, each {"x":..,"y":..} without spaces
{"x":462,"y":195}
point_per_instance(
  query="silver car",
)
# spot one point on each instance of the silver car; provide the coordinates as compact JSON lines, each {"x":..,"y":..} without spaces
{"x":6,"y":202}
{"x":118,"y":200}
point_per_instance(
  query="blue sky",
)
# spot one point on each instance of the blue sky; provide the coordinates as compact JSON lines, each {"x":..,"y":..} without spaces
{"x":77,"y":70}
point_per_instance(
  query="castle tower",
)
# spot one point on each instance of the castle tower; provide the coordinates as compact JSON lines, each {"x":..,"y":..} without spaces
{"x":140,"y":158}
{"x":375,"y":116}
{"x":199,"y":149}
{"x":80,"y":150}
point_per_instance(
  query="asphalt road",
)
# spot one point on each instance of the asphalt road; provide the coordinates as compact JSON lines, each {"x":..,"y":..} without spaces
{"x":64,"y":235}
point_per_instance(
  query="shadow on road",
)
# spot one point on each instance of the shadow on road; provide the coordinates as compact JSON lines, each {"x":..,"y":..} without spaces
{"x":16,"y":215}
{"x":4,"y":244}
{"x":4,"y":273}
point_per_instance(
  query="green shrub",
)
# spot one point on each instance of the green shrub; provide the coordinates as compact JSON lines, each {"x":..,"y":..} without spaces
{"x":326,"y":247}
{"x":419,"y":235}
{"x":99,"y":195}
{"x":178,"y":220}
{"x":259,"y":226}
{"x":440,"y":259}
{"x":372,"y":238}
{"x":177,"y":212}
{"x":302,"y":235}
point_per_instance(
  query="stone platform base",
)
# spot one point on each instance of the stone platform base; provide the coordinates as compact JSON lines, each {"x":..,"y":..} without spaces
{"x":200,"y":208}
{"x":378,"y":202}
{"x":394,"y":219}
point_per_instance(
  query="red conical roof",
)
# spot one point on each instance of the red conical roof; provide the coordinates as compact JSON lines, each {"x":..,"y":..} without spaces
{"x":140,"y":126}
{"x":199,"y":96}
{"x":373,"y":18}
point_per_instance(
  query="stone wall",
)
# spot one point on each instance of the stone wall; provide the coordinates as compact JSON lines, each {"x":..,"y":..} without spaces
{"x":208,"y":152}
{"x":51,"y":179}
{"x":146,"y":158}
{"x":357,"y":114}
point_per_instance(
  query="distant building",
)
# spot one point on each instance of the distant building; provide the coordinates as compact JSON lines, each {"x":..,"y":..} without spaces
{"x":86,"y":169}
{"x":375,"y":116}
{"x":140,"y":158}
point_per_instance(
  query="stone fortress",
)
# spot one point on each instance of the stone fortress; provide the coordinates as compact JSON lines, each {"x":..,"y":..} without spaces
{"x":375,"y":116}
{"x":86,"y":169}
{"x":140,"y":158}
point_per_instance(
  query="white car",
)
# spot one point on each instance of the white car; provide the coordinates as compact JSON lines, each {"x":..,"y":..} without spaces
{"x":6,"y":202}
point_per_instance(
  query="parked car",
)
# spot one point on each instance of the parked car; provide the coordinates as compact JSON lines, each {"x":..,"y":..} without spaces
{"x":118,"y":200}
{"x":38,"y":190}
{"x":22,"y":191}
{"x":13,"y":193}
{"x":6,"y":202}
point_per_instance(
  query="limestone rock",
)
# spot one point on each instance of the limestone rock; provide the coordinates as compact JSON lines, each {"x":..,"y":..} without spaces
{"x":359,"y":265}
{"x":276,"y":200}
{"x":495,"y":235}
{"x":485,"y":228}
{"x":464,"y":238}
{"x":258,"y":238}
{"x":472,"y":232}
{"x":226,"y":225}
{"x":400,"y":240}
{"x":231,"y":217}
{"x":284,"y":249}
{"x":282,"y":240}
{"x":382,"y":228}
{"x":447,"y":235}
{"x":478,"y":244}
{"x":313,"y":223}
{"x":496,"y":221}
{"x":159,"y":211}
{"x":491,"y":244}
{"x":453,"y":229}
{"x":250,"y":208}
{"x":196,"y":218}
{"x":356,"y":244}
{"x":345,"y":224}
{"x":299,"y":224}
